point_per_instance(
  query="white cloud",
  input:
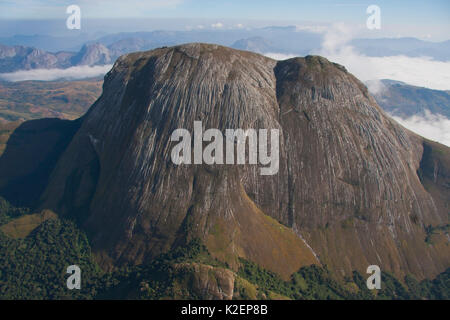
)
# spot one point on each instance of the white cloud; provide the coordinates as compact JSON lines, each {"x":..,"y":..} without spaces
{"x":280,"y":56}
{"x":430,"y":126}
{"x":336,"y":38}
{"x":422,"y":71}
{"x":72,"y":73}
{"x":312,"y":28}
{"x":217,"y":25}
{"x":375,"y":86}
{"x":418,"y":71}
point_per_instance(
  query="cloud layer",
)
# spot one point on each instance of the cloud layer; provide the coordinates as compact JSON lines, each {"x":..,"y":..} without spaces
{"x":421,"y":71}
{"x":280,"y":56}
{"x":430,"y":126}
{"x":418,"y":71}
{"x":72,"y":73}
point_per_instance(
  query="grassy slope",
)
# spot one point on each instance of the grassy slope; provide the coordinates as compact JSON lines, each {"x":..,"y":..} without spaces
{"x":27,"y":100}
{"x":6,"y":129}
{"x":21,"y":227}
{"x":258,"y":238}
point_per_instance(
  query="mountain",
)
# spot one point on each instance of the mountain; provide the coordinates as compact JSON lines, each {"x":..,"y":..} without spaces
{"x":92,"y":54}
{"x":26,"y":100}
{"x":107,"y":48}
{"x":255,"y":44}
{"x":25,"y":58}
{"x":286,"y":40}
{"x":278,"y":39}
{"x":353,"y":188}
{"x":403,"y":100}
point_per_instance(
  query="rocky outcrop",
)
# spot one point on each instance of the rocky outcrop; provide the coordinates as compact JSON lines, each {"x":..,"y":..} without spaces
{"x":26,"y":58}
{"x":19,"y":57}
{"x":347,"y":193}
{"x":92,"y":54}
{"x":206,"y":282}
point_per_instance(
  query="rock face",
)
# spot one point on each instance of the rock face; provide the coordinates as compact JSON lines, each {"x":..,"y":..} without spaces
{"x":347,"y":193}
{"x":92,"y":54}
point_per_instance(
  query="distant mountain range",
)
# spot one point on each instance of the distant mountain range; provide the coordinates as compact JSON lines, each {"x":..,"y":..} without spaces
{"x":403,"y":100}
{"x":25,"y":58}
{"x":32,"y":52}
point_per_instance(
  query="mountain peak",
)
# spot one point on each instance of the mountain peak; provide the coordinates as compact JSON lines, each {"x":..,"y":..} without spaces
{"x":347,"y":192}
{"x":92,"y":54}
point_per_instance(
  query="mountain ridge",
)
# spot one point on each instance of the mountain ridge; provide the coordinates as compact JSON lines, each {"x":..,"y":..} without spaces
{"x":347,"y":186}
{"x":15,"y":58}
{"x":404,"y":100}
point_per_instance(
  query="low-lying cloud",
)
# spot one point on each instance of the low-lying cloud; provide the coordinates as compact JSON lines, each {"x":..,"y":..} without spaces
{"x":280,"y":56}
{"x":422,"y":72}
{"x":431,"y":126}
{"x":418,"y":71}
{"x":72,"y":73}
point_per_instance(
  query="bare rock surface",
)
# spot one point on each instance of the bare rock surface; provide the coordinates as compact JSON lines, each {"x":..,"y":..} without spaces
{"x":347,"y":194}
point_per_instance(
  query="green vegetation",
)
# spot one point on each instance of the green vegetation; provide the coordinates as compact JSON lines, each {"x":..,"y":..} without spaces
{"x":23,"y":226}
{"x":308,"y":283}
{"x":313,"y":282}
{"x":9,"y":212}
{"x":34,"y":267}
{"x":430,"y":231}
{"x":162,"y":279}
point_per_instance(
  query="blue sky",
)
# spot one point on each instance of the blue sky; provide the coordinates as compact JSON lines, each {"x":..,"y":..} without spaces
{"x":419,"y":16}
{"x":320,"y":10}
{"x":420,"y":11}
